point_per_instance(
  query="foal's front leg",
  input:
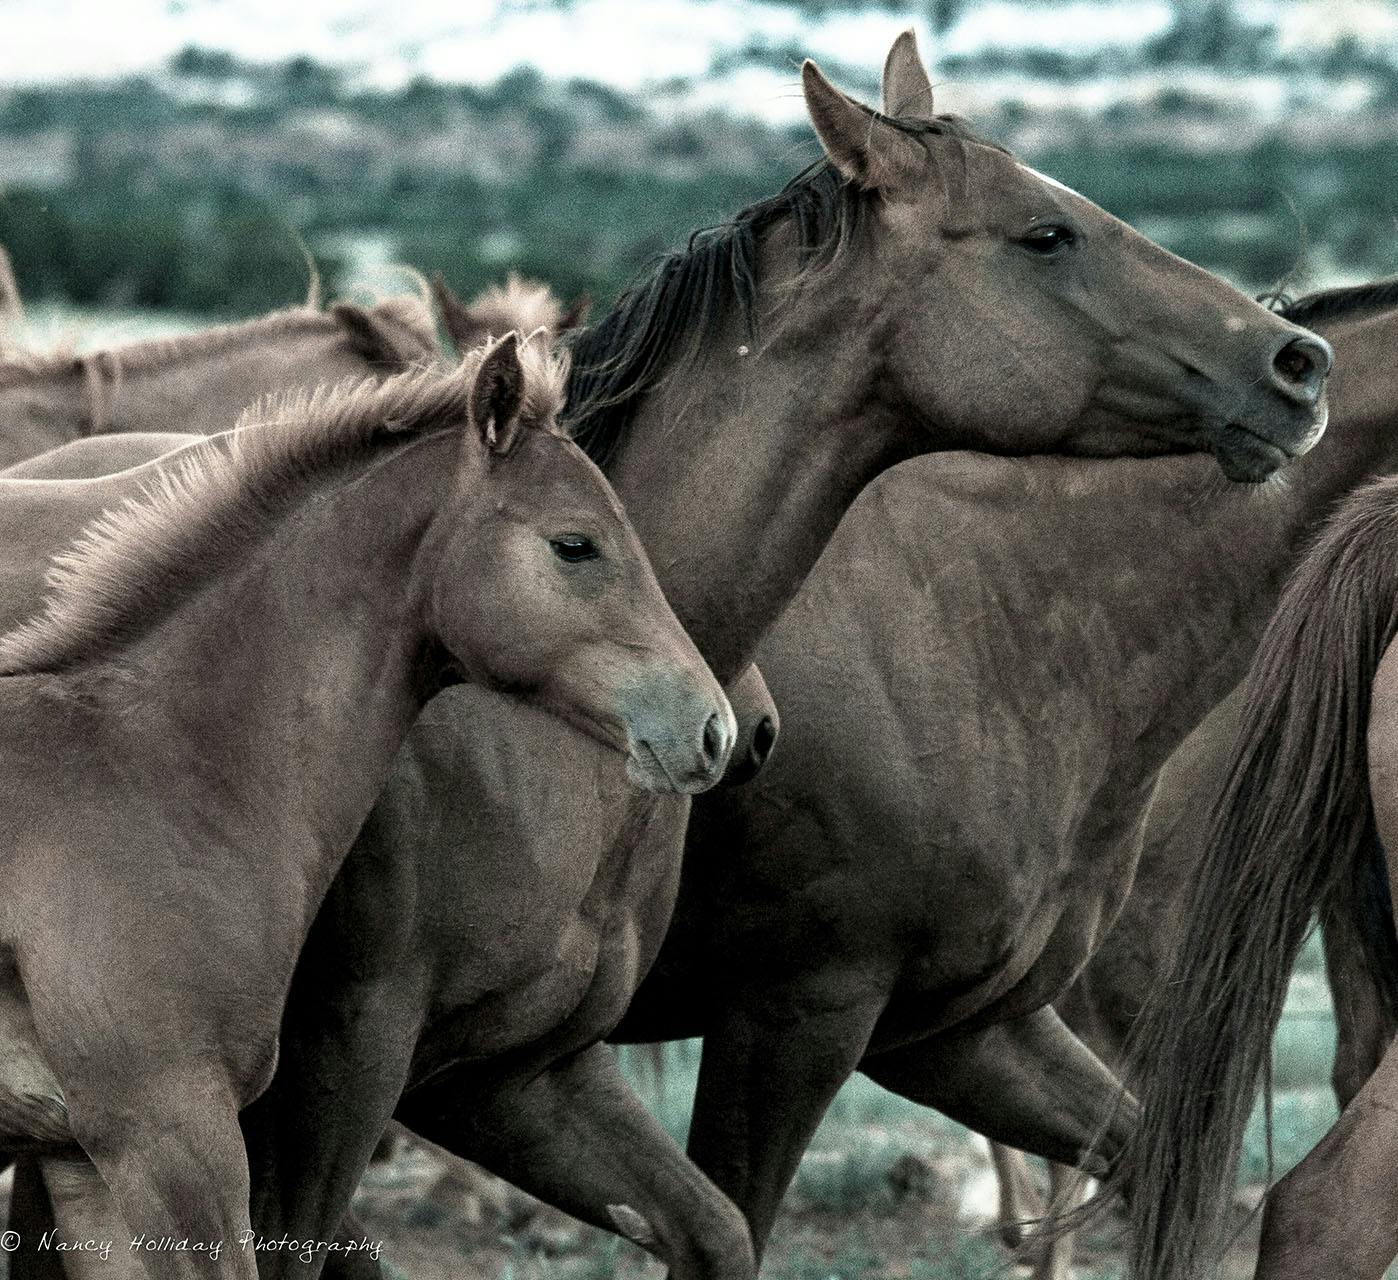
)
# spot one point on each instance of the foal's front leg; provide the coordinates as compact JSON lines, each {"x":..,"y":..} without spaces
{"x":577,"y":1137}
{"x":153,"y":1060}
{"x":169,"y":1149}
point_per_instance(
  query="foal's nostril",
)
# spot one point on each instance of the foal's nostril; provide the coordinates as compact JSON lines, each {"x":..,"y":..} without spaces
{"x":1302,"y":366}
{"x":713,"y":739}
{"x":764,"y":738}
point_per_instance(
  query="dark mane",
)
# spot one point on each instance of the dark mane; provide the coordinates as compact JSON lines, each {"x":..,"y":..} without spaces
{"x":663,"y":320}
{"x":1333,"y":304}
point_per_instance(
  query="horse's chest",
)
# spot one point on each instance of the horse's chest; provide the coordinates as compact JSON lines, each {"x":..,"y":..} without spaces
{"x":567,"y":999}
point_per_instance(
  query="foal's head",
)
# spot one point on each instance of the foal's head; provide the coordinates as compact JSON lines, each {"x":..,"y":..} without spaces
{"x":563,"y":606}
{"x":1022,"y":317}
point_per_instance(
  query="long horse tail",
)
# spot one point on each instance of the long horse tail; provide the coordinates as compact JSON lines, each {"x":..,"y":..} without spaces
{"x":1291,"y":831}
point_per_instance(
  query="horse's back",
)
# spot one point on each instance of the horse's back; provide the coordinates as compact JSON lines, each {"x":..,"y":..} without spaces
{"x":95,"y":456}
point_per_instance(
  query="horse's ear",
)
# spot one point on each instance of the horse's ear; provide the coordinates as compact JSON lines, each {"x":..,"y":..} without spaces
{"x":863,"y":147}
{"x":906,"y":89}
{"x":498,"y":394}
{"x":576,"y":314}
{"x":396,"y":332}
{"x":458,"y":319}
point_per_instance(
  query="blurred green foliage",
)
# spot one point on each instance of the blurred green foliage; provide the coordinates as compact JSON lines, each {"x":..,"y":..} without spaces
{"x":189,"y":190}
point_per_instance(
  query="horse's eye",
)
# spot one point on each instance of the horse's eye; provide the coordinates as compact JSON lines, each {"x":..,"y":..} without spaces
{"x":573,"y":547}
{"x":1047,"y":239}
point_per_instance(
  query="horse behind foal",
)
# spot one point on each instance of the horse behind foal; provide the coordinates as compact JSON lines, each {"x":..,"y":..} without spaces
{"x":201,"y":382}
{"x":311,"y":582}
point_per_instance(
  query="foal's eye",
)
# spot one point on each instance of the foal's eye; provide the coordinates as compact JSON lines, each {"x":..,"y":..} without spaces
{"x":1047,"y":239}
{"x":573,"y":547}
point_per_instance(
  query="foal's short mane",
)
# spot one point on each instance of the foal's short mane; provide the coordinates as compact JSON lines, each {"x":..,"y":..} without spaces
{"x":132,"y":566}
{"x":661,"y":322}
{"x":1335,"y":304}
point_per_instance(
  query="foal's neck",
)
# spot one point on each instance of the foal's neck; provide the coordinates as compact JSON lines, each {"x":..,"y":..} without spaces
{"x":289,"y":682}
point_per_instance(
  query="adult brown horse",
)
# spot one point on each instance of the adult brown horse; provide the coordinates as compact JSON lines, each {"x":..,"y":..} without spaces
{"x":908,"y":895}
{"x":202,"y":382}
{"x":915,"y":291}
{"x":313,"y":581}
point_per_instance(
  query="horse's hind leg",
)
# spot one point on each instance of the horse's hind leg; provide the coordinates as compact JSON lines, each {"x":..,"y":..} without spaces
{"x":1054,"y":1256}
{"x":1336,"y":1214}
{"x":1362,"y":1035}
{"x":1021,"y":1207}
{"x":1029,"y":1082}
{"x":577,"y":1137}
{"x":1020,"y":1202}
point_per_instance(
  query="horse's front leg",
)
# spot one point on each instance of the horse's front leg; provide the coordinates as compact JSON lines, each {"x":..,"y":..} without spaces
{"x":169,"y":1150}
{"x":153,"y":1059}
{"x":772,"y":1063}
{"x":577,"y":1137}
{"x":345,"y":1057}
{"x":1336,"y":1214}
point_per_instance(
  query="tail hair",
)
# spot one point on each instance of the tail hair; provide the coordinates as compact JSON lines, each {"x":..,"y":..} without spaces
{"x":1289,"y":832}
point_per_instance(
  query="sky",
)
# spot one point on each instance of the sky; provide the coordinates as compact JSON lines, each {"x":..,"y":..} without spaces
{"x":632,"y":44}
{"x":626,"y":43}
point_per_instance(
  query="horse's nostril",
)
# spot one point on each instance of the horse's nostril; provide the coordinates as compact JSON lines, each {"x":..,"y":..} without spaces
{"x":764,"y":738}
{"x":713,"y":739}
{"x":1303,"y":363}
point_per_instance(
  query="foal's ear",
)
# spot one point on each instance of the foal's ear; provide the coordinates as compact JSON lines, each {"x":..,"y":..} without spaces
{"x":460,"y":322}
{"x":498,"y":393}
{"x":864,"y":148}
{"x":576,"y":314}
{"x":906,"y":89}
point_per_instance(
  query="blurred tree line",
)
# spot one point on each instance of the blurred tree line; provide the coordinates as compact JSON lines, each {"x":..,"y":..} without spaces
{"x":192,"y":190}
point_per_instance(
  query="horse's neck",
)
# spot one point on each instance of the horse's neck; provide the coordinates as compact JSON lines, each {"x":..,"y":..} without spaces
{"x":296,"y":674}
{"x":205,"y":389}
{"x":41,"y":413}
{"x":1205,"y":611}
{"x":736,"y":472}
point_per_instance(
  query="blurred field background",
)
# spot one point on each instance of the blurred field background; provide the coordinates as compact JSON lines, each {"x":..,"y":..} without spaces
{"x":162,"y":162}
{"x":573,"y":139}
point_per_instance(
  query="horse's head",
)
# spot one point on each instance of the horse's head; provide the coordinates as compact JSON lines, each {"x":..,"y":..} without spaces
{"x":563,"y":607}
{"x":525,"y":306}
{"x":1021,"y":316}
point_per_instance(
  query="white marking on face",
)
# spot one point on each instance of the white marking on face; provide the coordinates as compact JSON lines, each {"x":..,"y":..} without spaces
{"x":1053,"y":182}
{"x":1235,"y":324}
